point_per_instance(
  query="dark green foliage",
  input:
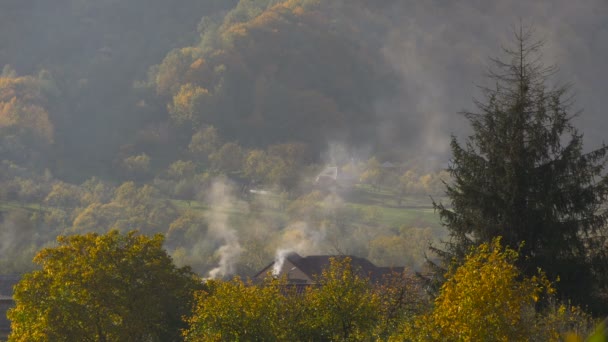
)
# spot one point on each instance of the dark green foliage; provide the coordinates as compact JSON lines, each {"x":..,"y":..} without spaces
{"x":523,"y":175}
{"x":276,"y":71}
{"x":263,"y":72}
{"x":95,"y":51}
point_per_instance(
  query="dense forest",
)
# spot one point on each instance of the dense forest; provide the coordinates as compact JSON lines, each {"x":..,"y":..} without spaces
{"x":216,"y":136}
{"x":204,"y":119}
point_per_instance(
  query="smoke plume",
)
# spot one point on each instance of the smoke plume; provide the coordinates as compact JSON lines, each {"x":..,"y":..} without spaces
{"x":221,"y":203}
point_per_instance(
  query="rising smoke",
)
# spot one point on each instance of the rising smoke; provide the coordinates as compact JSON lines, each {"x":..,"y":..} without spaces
{"x":300,"y":238}
{"x":222,"y":202}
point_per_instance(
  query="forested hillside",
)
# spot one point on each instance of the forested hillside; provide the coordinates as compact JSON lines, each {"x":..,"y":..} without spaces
{"x":202,"y":139}
{"x":128,"y":116}
{"x":92,"y":52}
{"x":129,"y":81}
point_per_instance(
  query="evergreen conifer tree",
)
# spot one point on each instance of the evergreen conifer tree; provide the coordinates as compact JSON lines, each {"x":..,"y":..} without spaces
{"x":523,"y":175}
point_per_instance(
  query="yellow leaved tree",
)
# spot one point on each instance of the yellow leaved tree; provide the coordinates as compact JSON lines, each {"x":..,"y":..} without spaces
{"x":485,"y":299}
{"x":236,"y":311}
{"x":110,"y":287}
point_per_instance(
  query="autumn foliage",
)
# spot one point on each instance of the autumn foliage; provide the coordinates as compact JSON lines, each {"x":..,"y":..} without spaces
{"x":488,"y":299}
{"x":110,"y":287}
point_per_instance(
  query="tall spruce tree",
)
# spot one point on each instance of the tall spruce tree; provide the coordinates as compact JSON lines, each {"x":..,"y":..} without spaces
{"x":523,"y":175}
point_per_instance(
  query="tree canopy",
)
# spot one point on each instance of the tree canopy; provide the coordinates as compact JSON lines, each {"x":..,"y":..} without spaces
{"x":488,"y":299}
{"x":345,"y":306}
{"x":523,"y":175}
{"x":110,"y":287}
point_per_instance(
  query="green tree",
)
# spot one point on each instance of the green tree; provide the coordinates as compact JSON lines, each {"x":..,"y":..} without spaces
{"x":372,"y":173}
{"x":108,"y":287}
{"x":137,"y":166}
{"x":96,"y":190}
{"x":181,"y":169}
{"x":27,"y":132}
{"x":523,"y":175}
{"x":64,"y":195}
{"x":204,"y":142}
{"x":131,"y":208}
{"x":189,"y":226}
{"x":255,"y":165}
{"x":228,"y":158}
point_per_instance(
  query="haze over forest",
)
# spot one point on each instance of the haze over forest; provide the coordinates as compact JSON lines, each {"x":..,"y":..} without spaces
{"x":162,"y":116}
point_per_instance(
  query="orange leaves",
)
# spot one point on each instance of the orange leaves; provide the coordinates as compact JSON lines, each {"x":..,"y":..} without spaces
{"x":187,"y":103}
{"x":22,"y":108}
{"x":298,"y":11}
{"x":7,"y":112}
{"x":27,"y":116}
{"x":197,"y":64}
{"x":175,"y":69}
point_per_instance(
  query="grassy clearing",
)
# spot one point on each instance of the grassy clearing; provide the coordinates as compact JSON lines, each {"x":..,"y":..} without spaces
{"x":387,"y":209}
{"x":377,"y":207}
{"x":11,"y":205}
{"x":398,"y":217}
{"x":367,"y":195}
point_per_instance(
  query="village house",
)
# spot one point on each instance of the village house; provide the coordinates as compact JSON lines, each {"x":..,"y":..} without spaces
{"x":299,"y":270}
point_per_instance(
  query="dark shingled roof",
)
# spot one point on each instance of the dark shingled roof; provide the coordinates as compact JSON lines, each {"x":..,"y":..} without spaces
{"x":314,"y":265}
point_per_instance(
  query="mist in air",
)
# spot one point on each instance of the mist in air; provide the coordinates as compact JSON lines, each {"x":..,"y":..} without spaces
{"x":212,"y":122}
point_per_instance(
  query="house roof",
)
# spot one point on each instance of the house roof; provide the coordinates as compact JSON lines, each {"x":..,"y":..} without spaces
{"x":7,"y":281}
{"x":329,"y":173}
{"x":314,"y":265}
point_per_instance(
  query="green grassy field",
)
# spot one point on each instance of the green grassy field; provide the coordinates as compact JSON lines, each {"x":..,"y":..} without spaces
{"x":378,"y":207}
{"x":9,"y":205}
{"x":397,"y":217}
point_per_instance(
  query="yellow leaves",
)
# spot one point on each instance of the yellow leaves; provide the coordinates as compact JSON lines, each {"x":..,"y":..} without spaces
{"x":26,"y":88}
{"x":345,"y":307}
{"x":27,"y":116}
{"x":7,"y":113}
{"x":22,"y":108}
{"x":124,"y":286}
{"x":572,"y":337}
{"x":186,"y":103}
{"x":187,"y":93}
{"x":484,"y":299}
{"x":234,"y":310}
{"x":175,"y":68}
